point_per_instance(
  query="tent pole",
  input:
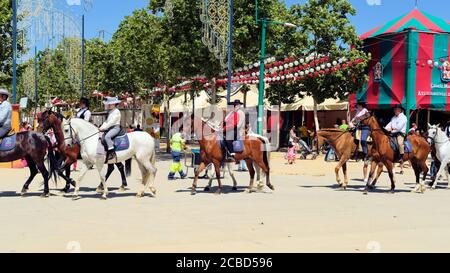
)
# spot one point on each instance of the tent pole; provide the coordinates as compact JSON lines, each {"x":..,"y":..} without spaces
{"x":410,"y":76}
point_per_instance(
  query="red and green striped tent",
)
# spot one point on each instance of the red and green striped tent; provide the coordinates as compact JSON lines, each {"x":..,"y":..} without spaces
{"x":404,"y":47}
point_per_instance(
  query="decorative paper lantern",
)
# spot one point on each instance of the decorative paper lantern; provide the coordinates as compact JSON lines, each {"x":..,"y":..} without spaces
{"x":296,"y":74}
{"x":291,"y":65}
{"x":442,"y":60}
{"x":445,"y":64}
{"x":430,"y":62}
{"x":280,"y":67}
{"x":311,"y":70}
{"x":436,"y":64}
{"x":328,"y":65}
{"x":322,"y":66}
{"x":286,"y":66}
{"x":307,"y":72}
{"x":302,"y":61}
{"x":440,"y":68}
{"x":318,"y":68}
{"x":334,"y":63}
{"x":278,"y":78}
{"x":296,"y":63}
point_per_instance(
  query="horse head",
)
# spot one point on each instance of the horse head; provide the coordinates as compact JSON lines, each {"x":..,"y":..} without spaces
{"x":432,"y":134}
{"x":49,"y":120}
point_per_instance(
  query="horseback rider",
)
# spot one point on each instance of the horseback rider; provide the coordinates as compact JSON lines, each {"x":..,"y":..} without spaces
{"x":5,"y":114}
{"x":234,"y":128}
{"x":397,"y":127}
{"x":84,"y":112}
{"x":361,"y":113}
{"x":111,"y":127}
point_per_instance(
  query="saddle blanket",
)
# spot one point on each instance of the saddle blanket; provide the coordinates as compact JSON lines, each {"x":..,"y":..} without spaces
{"x":8,"y":143}
{"x":121,"y":143}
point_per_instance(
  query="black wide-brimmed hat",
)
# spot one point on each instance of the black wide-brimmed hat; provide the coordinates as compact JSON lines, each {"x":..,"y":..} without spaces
{"x":84,"y":101}
{"x":399,"y":106}
{"x":362,"y":103}
{"x":238,"y":102}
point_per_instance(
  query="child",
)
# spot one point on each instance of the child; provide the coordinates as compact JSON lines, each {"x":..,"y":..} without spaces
{"x":291,"y":153}
{"x":177,"y":145}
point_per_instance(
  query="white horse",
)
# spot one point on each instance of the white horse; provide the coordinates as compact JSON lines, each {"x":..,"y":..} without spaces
{"x":142,"y":148}
{"x":441,"y":142}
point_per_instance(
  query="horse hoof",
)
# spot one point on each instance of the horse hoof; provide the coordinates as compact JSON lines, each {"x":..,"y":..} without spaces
{"x":140,"y":195}
{"x":218,"y":192}
{"x":122,"y":189}
{"x":365,"y":192}
{"x":75,"y":198}
{"x":99,"y":190}
{"x":45,"y":195}
{"x":392,"y":192}
{"x":104,"y":198}
{"x":23,"y":192}
{"x":193,"y":192}
{"x":235,"y":189}
{"x":271,"y":187}
{"x":153,"y":190}
{"x":206,"y":189}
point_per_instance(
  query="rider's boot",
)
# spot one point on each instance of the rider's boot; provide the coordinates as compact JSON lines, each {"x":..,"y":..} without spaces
{"x":183,"y":175}
{"x":111,"y":155}
{"x":171,"y":176}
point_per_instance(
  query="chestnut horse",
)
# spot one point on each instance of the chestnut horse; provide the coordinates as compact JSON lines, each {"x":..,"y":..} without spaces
{"x":53,"y":120}
{"x":344,"y":145}
{"x":256,"y":150}
{"x":418,"y":157}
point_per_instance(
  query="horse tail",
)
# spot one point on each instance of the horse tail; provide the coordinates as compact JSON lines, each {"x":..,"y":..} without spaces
{"x":53,"y":162}
{"x":128,"y":167}
{"x":266,"y":152}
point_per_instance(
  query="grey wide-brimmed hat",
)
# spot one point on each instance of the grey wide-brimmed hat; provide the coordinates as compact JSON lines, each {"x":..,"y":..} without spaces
{"x":111,"y":101}
{"x":4,"y":92}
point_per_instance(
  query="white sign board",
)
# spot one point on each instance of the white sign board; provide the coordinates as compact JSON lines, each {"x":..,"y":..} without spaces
{"x":23,"y":103}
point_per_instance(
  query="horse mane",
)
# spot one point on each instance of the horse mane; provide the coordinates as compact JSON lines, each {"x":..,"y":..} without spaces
{"x":87,"y":123}
{"x":332,"y":130}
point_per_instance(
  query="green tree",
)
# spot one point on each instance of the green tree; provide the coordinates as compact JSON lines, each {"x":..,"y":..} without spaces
{"x":329,"y":33}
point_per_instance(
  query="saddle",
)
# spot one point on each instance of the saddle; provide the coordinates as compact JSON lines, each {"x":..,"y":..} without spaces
{"x":395,"y":147}
{"x":121,"y":141}
{"x":8,"y":142}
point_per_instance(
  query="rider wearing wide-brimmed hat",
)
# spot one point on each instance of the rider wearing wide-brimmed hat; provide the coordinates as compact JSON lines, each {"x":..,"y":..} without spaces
{"x":397,"y":127}
{"x":234,"y":127}
{"x":5,"y":113}
{"x":111,"y":126}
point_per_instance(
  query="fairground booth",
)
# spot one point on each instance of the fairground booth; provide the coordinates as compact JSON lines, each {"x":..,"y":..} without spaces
{"x":409,"y":65}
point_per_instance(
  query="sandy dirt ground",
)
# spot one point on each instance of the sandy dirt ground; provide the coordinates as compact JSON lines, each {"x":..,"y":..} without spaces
{"x":306,"y":213}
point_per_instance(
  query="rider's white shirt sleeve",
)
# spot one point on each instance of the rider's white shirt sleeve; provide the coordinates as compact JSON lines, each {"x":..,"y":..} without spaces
{"x":113,"y":120}
{"x":87,"y":115}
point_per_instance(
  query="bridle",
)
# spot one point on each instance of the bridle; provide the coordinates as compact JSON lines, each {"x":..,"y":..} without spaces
{"x":433,"y":139}
{"x":74,"y":140}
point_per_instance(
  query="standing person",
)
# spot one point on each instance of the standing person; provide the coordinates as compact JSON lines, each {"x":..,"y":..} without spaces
{"x":5,"y":114}
{"x":344,"y":126}
{"x":111,"y":127}
{"x":293,"y":136}
{"x":413,"y":129}
{"x":361,"y":113}
{"x":177,"y":145}
{"x":234,"y":128}
{"x":291,"y":155}
{"x":397,"y":127}
{"x":84,"y":112}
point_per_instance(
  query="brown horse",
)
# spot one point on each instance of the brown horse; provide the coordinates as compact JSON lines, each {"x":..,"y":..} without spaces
{"x":33,"y":147}
{"x":256,"y":150}
{"x":418,"y":157}
{"x":344,"y":145}
{"x":53,"y":120}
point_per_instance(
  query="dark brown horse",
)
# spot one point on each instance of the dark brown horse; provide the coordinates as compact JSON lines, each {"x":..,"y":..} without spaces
{"x":34,"y":147}
{"x":345,"y":146}
{"x":256,"y":150}
{"x":417,"y":158}
{"x":52,"y":120}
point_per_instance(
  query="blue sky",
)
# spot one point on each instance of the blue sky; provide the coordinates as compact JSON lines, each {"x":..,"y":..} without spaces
{"x":107,"y":14}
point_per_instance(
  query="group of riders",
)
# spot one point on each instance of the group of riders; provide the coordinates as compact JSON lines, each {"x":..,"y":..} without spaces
{"x":396,"y":127}
{"x":111,"y":127}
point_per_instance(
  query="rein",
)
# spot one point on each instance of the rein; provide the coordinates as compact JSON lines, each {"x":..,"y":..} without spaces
{"x":81,"y":140}
{"x":337,"y":138}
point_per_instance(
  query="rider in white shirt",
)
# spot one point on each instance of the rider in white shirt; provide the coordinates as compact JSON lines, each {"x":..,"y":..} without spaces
{"x":84,"y":112}
{"x":111,"y":126}
{"x":397,"y":127}
{"x":365,"y":130}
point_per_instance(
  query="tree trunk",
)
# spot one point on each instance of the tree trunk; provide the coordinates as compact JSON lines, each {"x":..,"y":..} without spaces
{"x":133,"y":118}
{"x":213,"y":92}
{"x":316,"y":118}
{"x":245,"y":99}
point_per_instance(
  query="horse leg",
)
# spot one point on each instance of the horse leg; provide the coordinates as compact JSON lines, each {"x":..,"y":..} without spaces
{"x":123,"y":176}
{"x":211,"y":178}
{"x":258,"y":176}
{"x":344,"y":170}
{"x":33,"y":172}
{"x":368,"y":180}
{"x":336,"y":171}
{"x":148,"y":176}
{"x":230,"y":171}
{"x":442,"y":168}
{"x":99,"y":164}
{"x":379,"y":167}
{"x":251,"y":170}
{"x":200,"y":169}
{"x":108,"y":174}
{"x":45,"y":175}
{"x":390,"y":167}
{"x":217,"y":169}
{"x":424,"y":169}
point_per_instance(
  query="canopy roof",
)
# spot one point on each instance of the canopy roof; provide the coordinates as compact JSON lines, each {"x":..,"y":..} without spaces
{"x":416,"y":19}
